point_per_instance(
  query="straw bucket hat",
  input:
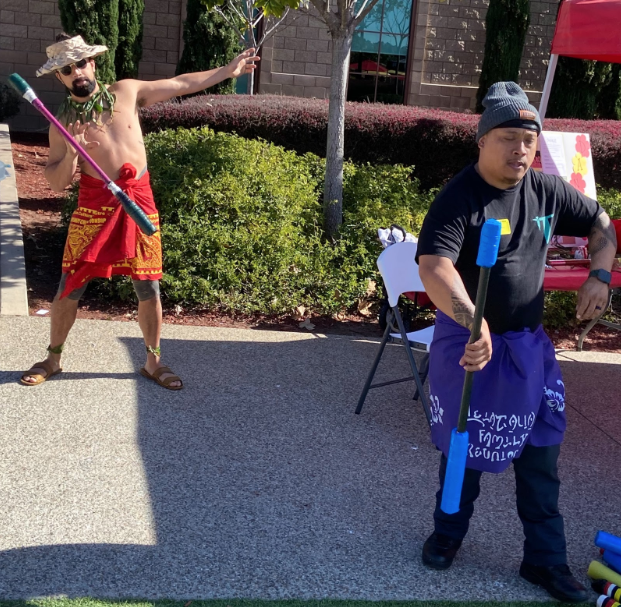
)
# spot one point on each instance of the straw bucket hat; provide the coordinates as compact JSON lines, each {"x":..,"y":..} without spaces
{"x":67,"y":52}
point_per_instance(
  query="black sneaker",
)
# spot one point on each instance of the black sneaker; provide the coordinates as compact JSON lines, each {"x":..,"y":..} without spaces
{"x":557,"y":580}
{"x":440,"y":550}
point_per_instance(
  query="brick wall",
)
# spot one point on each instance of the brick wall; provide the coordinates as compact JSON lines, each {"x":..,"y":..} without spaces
{"x":450,"y":43}
{"x":296,"y":61}
{"x":27,"y":27}
{"x":537,"y":45}
{"x":448,"y":51}
{"x":162,"y":41}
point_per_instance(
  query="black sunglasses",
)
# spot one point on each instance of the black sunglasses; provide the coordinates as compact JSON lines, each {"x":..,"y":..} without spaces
{"x":67,"y":69}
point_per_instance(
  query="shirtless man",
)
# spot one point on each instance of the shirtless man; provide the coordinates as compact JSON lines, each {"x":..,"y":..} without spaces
{"x":102,"y":240}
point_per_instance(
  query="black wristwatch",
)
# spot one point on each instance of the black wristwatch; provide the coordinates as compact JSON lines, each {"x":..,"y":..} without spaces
{"x":601,"y":275}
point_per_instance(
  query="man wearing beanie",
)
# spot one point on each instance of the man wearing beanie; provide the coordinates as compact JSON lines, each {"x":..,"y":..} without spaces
{"x":517,"y":410}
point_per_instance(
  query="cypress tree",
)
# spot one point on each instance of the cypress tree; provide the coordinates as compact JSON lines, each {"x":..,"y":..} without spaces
{"x":97,"y":22}
{"x":129,"y":49}
{"x":209,"y":42}
{"x":609,"y":101}
{"x":577,"y":86}
{"x":506,"y":24}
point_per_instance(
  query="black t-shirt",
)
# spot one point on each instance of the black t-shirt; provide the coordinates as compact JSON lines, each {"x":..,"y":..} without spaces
{"x":533,"y":210}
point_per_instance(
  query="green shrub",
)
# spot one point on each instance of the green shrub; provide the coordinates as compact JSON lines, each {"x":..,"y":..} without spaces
{"x":559,"y":309}
{"x":9,"y":102}
{"x":241,"y":227}
{"x":610,"y":201}
{"x":241,"y":224}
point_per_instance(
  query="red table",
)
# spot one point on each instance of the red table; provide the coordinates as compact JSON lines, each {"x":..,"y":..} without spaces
{"x":571,"y":278}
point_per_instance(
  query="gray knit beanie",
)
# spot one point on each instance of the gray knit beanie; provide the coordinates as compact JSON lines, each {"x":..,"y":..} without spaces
{"x":506,"y":102}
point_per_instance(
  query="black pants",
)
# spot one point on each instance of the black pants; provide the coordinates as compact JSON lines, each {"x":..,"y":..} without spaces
{"x":536,"y":488}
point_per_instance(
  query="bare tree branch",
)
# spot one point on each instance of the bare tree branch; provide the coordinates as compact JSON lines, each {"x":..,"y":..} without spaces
{"x":342,"y":13}
{"x":270,"y":31}
{"x":364,"y":11}
{"x":250,"y":13}
{"x":231,"y":22}
{"x":323,"y":7}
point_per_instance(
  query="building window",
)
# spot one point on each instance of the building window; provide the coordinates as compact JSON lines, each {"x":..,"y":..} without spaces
{"x":379,"y":54}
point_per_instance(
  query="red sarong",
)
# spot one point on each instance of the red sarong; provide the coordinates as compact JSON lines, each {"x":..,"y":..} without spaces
{"x":103,"y":240}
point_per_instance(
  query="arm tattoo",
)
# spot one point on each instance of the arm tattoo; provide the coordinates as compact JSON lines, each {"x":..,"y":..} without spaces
{"x":602,"y":235}
{"x":463,"y":308}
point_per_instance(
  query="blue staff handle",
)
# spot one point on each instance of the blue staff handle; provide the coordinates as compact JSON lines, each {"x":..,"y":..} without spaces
{"x":131,"y":208}
{"x":458,"y":450}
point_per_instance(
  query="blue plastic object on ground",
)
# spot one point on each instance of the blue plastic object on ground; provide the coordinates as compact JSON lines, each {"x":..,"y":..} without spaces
{"x":607,"y":541}
{"x":613,"y":559}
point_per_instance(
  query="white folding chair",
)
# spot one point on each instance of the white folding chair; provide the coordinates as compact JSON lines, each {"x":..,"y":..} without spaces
{"x":399,"y":271}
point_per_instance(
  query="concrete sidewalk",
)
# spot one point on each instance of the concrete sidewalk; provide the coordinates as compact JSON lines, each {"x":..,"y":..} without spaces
{"x":257,"y":480}
{"x":13,"y":292}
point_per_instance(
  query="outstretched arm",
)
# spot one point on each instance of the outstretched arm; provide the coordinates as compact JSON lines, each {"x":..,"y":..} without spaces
{"x":156,"y":91}
{"x":593,"y":294}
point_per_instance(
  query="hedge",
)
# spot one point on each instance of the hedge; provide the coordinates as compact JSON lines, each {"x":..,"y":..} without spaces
{"x":436,"y":143}
{"x":9,"y":102}
{"x":241,"y":225}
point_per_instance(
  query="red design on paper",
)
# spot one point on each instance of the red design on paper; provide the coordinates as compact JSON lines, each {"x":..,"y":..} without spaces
{"x":583,"y":146}
{"x":578,"y":183}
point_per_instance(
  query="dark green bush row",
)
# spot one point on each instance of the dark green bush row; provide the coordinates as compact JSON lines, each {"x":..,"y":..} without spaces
{"x":9,"y":102}
{"x":437,"y":144}
{"x":242,"y":224}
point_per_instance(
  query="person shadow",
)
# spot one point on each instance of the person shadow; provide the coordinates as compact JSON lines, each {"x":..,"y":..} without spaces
{"x":258,"y":478}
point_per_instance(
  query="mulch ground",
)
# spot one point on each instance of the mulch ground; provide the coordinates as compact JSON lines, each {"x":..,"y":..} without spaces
{"x":40,"y":210}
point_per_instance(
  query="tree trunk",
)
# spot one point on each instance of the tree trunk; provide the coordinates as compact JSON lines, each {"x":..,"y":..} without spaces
{"x":251,"y":83}
{"x":333,"y":189}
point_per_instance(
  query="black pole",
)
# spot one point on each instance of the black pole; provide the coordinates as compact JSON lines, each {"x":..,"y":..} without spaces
{"x":475,"y":334}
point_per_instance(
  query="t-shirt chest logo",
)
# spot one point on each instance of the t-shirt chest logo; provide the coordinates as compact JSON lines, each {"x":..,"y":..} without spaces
{"x":543,"y":223}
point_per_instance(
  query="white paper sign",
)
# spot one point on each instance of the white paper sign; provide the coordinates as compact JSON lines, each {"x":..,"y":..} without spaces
{"x":568,"y":155}
{"x":553,"y":154}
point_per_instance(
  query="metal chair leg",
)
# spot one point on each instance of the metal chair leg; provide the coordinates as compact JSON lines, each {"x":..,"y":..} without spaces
{"x":593,"y":322}
{"x":419,"y":385}
{"x":378,"y":357}
{"x":424,"y":371}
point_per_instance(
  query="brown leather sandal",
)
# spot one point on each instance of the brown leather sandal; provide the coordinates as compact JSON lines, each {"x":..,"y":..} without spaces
{"x":164,"y":383}
{"x":39,"y":379}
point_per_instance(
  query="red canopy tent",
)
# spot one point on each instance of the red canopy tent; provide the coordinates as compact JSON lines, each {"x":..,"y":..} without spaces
{"x":585,"y":29}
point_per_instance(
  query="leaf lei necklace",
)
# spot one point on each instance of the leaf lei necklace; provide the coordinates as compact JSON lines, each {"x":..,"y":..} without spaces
{"x":91,"y":110}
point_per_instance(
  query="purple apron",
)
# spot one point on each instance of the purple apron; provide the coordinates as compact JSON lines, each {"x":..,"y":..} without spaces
{"x":518,"y":397}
